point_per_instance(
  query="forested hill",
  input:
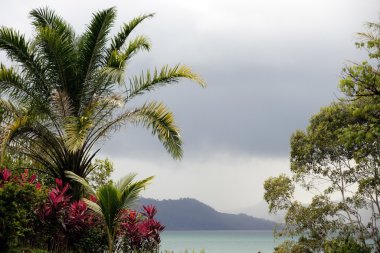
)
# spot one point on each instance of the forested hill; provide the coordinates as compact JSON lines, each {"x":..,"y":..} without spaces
{"x":191,"y":214}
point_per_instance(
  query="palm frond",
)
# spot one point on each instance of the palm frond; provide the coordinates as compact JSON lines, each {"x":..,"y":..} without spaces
{"x":15,"y":45}
{"x":79,"y":130}
{"x":119,"y":40}
{"x":8,"y":108}
{"x":8,"y":132}
{"x":160,"y":120}
{"x":46,"y":17}
{"x":17,"y":49}
{"x":94,"y":40}
{"x":80,"y":180}
{"x":13,"y":83}
{"x":131,"y":192}
{"x":57,"y":51}
{"x":138,"y":44}
{"x":76,"y":131}
{"x":125,"y":181}
{"x":28,"y":137}
{"x":94,"y":207}
{"x":61,"y":104}
{"x":147,"y":82}
{"x":110,"y":203}
{"x":114,"y":72}
{"x":154,"y":116}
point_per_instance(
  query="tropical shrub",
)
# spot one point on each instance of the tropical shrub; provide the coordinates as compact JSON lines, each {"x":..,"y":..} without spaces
{"x":112,"y":199}
{"x":140,"y":231}
{"x":64,"y":221}
{"x":20,"y":196}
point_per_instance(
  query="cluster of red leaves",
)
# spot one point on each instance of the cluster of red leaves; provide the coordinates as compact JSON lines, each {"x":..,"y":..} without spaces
{"x":6,"y":176}
{"x":73,"y":217}
{"x":140,"y":230}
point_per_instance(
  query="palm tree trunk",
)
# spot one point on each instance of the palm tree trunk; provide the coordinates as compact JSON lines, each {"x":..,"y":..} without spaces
{"x":110,"y":240}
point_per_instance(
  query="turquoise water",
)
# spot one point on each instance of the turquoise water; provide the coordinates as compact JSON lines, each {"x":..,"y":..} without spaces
{"x":219,"y":241}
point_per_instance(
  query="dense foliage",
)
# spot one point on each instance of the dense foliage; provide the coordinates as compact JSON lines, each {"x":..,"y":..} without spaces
{"x":20,"y":196}
{"x":62,"y":220}
{"x":33,"y":217}
{"x":337,"y":159}
{"x":140,"y":231}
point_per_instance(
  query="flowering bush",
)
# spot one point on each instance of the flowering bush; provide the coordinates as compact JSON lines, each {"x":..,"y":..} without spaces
{"x":66,"y":221}
{"x":19,"y":197}
{"x":140,"y":231}
{"x":24,"y":178}
{"x":31,"y":216}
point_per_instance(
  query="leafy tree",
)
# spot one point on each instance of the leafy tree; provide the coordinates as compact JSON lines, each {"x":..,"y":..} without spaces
{"x":68,"y":91}
{"x":340,"y":171}
{"x":337,"y":159}
{"x":100,"y":173}
{"x":362,"y":80}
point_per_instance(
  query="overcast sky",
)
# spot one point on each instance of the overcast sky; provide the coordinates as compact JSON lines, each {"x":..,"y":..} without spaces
{"x":269,"y":66}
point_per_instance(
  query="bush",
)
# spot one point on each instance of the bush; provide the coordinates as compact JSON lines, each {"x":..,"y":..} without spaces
{"x":140,"y":231}
{"x":33,"y":219}
{"x":19,"y":197}
{"x":64,"y":222}
{"x":93,"y":240}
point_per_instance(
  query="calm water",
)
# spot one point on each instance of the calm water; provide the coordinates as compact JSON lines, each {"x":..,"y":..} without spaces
{"x":219,"y":241}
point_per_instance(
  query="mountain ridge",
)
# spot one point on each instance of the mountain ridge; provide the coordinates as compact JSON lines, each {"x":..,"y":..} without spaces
{"x":191,"y":214}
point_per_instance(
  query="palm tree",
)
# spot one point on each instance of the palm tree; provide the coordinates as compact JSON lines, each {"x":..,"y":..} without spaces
{"x":112,"y":200}
{"x":66,"y":92}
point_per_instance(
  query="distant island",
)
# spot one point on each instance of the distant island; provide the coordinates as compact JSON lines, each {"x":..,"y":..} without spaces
{"x":191,"y":214}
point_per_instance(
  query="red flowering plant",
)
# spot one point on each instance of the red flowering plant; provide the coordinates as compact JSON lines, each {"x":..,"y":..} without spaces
{"x":140,"y":231}
{"x":5,"y":175}
{"x":24,"y":178}
{"x":66,"y":221}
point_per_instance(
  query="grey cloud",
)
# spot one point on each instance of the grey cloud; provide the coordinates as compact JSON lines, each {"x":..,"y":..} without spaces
{"x":269,"y":66}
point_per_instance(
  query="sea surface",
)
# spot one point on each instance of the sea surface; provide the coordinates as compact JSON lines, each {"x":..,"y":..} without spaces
{"x":219,"y":241}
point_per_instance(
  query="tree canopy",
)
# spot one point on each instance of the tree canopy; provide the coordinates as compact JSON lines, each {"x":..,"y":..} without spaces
{"x":337,"y":159}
